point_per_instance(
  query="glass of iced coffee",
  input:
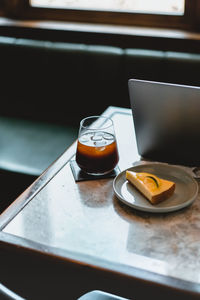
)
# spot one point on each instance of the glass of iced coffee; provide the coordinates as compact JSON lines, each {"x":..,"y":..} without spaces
{"x":97,"y":152}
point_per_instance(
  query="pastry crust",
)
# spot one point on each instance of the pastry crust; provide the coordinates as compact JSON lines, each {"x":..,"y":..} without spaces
{"x":152,"y":187}
{"x":163,"y":196}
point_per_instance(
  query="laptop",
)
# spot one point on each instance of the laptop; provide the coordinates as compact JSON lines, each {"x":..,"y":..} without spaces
{"x":167,"y":121}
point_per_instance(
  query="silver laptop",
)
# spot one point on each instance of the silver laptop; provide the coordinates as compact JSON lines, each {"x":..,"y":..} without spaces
{"x":167,"y":121}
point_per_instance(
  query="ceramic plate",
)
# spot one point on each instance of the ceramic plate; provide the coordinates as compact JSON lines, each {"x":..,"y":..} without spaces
{"x":185,"y":192}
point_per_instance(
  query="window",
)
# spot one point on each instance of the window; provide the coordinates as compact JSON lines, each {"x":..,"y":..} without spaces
{"x":182,"y":14}
{"x":147,"y":6}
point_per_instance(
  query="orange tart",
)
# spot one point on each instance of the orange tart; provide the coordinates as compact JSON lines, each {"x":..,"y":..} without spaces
{"x":152,"y":187}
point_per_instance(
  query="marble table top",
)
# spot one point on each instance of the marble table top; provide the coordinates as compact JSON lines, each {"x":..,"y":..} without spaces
{"x":86,"y":221}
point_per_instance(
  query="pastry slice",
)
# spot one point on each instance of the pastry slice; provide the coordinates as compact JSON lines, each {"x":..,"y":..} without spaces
{"x":152,"y":187}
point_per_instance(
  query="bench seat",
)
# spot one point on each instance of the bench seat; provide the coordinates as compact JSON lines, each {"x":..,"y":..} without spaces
{"x":46,"y":88}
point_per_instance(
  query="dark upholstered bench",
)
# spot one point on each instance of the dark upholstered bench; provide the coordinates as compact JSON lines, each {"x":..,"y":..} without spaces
{"x":47,"y":87}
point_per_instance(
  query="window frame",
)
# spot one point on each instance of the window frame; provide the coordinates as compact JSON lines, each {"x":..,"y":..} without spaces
{"x":21,"y":9}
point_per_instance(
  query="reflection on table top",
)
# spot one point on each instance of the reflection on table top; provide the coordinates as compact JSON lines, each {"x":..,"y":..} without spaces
{"x":85,"y":218}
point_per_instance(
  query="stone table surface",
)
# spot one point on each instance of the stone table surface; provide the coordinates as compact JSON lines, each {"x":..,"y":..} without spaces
{"x":87,"y":219}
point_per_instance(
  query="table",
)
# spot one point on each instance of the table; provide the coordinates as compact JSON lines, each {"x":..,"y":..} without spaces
{"x":84,"y":224}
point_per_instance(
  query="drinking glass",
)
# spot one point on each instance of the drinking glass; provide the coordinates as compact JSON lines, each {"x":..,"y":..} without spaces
{"x":97,"y":151}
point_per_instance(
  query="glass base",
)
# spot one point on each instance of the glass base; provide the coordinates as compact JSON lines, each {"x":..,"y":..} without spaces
{"x":98,"y":174}
{"x":80,"y":175}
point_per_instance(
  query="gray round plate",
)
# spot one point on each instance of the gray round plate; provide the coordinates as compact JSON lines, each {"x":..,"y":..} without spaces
{"x":185,"y":192}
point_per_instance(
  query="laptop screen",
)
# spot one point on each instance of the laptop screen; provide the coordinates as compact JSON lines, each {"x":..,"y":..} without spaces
{"x":167,"y":121}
